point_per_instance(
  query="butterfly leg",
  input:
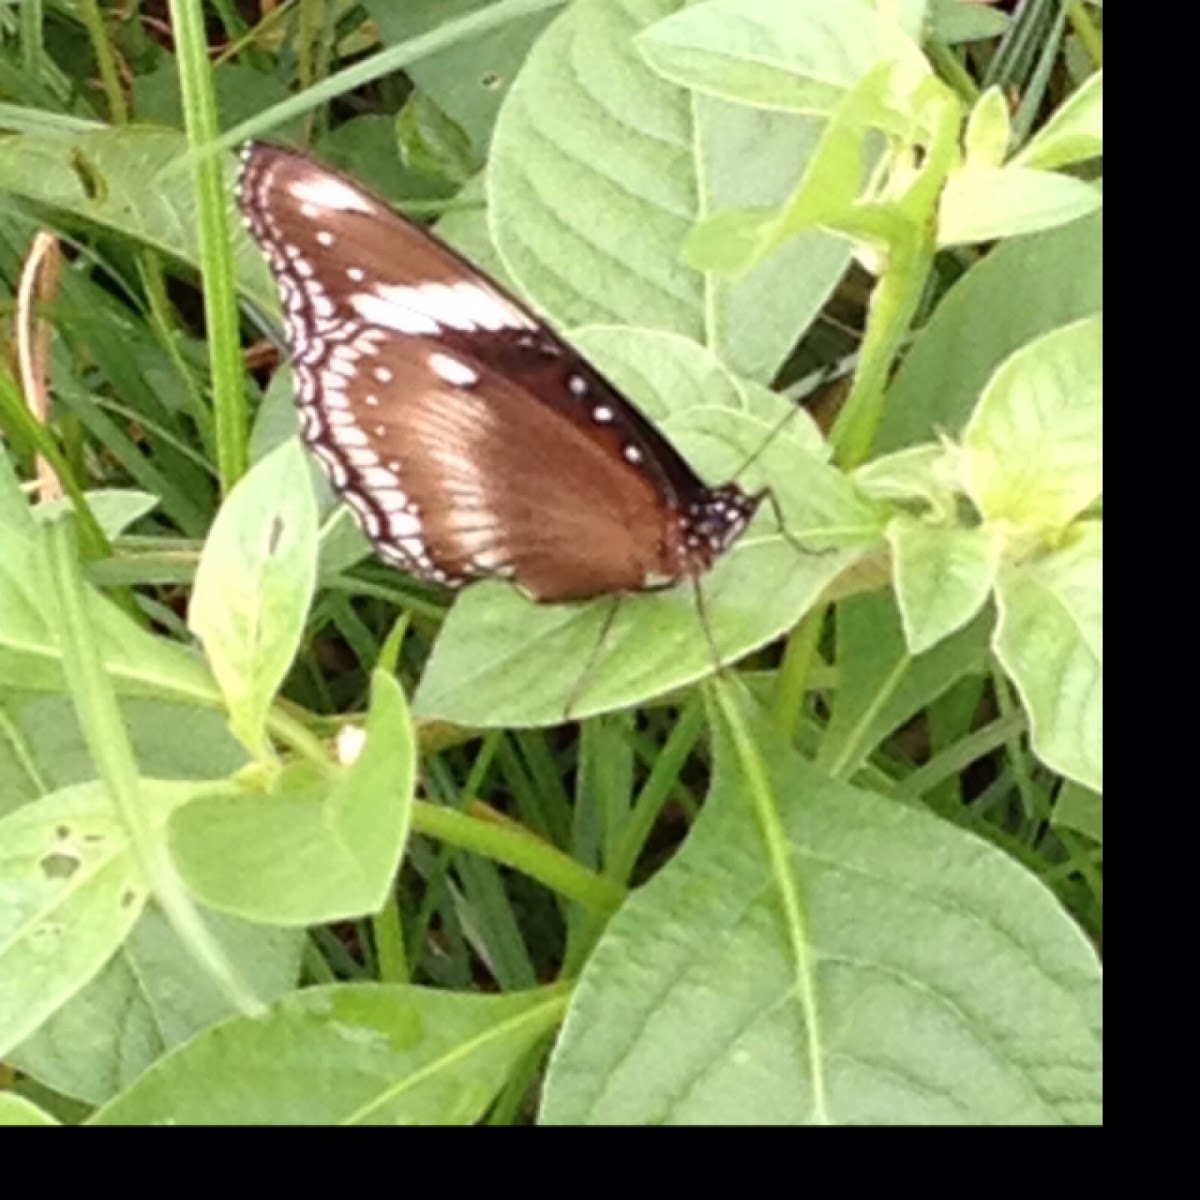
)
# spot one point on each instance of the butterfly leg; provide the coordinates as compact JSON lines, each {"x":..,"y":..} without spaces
{"x":789,"y":537}
{"x":579,"y":685}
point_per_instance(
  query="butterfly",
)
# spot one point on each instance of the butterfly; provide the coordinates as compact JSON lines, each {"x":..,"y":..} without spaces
{"x":469,"y":439}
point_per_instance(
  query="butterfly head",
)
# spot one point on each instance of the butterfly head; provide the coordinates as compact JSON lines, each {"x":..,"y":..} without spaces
{"x":712,"y":522}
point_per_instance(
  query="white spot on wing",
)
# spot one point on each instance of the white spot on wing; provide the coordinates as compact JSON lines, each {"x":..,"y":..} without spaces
{"x":329,"y":192}
{"x":452,"y":370}
{"x":387,"y":310}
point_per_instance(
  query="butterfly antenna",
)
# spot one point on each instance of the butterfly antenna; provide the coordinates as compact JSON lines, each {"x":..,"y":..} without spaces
{"x":579,"y":686}
{"x":776,"y":430}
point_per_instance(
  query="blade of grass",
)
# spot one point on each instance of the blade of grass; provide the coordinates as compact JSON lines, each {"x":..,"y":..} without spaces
{"x":216,"y":256}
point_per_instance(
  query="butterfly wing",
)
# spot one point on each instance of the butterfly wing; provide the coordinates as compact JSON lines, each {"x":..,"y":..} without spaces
{"x":467,"y":438}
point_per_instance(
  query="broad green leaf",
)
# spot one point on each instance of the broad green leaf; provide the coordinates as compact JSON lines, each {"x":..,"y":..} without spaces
{"x":70,"y":890}
{"x":983,"y":204}
{"x":882,"y":684}
{"x":1049,"y":638}
{"x":432,"y":143}
{"x":1032,"y":450}
{"x":1081,"y":809}
{"x":309,"y":852}
{"x":957,"y":21}
{"x":737,"y":239}
{"x":949,"y":987}
{"x":604,"y":247}
{"x":798,"y":55}
{"x":150,"y":996}
{"x":14,"y":508}
{"x":347,"y":1054}
{"x":115,"y":509}
{"x":1022,"y":288}
{"x":924,"y":473}
{"x":943,"y":575}
{"x":115,"y":178}
{"x":1074,"y":133}
{"x":989,"y":131}
{"x":42,"y":748}
{"x":470,"y":79}
{"x":465,"y":227}
{"x":137,"y":663}
{"x":253,"y":587}
{"x":16,"y":1110}
{"x":502,"y":660}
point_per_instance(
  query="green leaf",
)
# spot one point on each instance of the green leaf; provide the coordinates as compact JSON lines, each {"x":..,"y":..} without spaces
{"x":116,"y":178}
{"x":1081,"y":809}
{"x":502,"y":660}
{"x":943,"y":575}
{"x":253,"y":587}
{"x":1049,"y":639}
{"x":150,"y":996}
{"x":989,"y":130}
{"x":1074,"y":133}
{"x":798,"y":55}
{"x":470,"y":79}
{"x":925,"y":473}
{"x":70,"y":890}
{"x":308,"y":852}
{"x":348,"y":1054}
{"x":43,"y":749}
{"x":950,"y":987}
{"x":16,"y":1110}
{"x":882,"y":684}
{"x":982,"y":204}
{"x":598,"y":170}
{"x":1032,"y":450}
{"x":115,"y":509}
{"x":957,"y":21}
{"x":431,"y":143}
{"x":136,"y":662}
{"x":14,"y":508}
{"x":1022,"y":288}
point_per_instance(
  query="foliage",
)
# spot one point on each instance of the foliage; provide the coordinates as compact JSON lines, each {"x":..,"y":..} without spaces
{"x":288,"y":837}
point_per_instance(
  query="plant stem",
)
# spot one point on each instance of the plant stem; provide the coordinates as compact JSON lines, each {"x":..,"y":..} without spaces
{"x":515,"y":847}
{"x":787,"y":706}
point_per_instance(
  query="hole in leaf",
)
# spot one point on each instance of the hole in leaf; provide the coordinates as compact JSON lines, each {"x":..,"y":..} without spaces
{"x":59,"y":866}
{"x":90,"y":179}
{"x":492,"y":81}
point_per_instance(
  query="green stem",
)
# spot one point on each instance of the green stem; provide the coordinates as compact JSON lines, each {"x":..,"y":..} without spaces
{"x":791,"y":684}
{"x":950,"y":67}
{"x":1090,"y":38}
{"x":766,"y":809}
{"x":513,"y":846}
{"x":911,"y":244}
{"x":108,"y":741}
{"x":110,"y":78}
{"x":389,"y":944}
{"x":216,"y":259}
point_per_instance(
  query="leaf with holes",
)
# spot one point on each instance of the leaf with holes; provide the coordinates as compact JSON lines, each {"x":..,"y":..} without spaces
{"x":253,"y":587}
{"x":348,"y":1054}
{"x":150,"y":996}
{"x":928,"y":979}
{"x":70,"y":891}
{"x":118,"y":179}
